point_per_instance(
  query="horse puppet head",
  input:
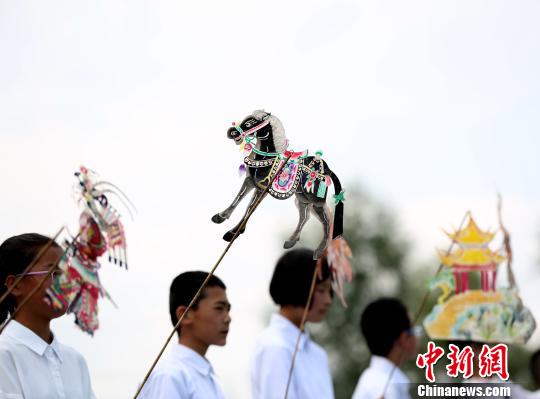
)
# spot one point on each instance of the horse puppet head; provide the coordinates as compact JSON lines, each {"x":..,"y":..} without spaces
{"x":263,"y":126}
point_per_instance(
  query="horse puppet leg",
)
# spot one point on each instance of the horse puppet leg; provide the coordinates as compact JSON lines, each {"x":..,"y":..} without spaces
{"x":247,"y":186}
{"x":323,"y":214}
{"x":303,"y":213}
{"x":228,"y":236}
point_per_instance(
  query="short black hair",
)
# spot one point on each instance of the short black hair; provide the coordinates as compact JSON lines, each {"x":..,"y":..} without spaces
{"x":185,"y":286}
{"x":16,"y":254}
{"x":292,"y":277}
{"x":382,"y":322}
{"x":535,"y":368}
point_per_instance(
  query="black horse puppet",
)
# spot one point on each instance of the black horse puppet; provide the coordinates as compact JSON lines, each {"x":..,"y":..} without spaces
{"x":307,"y":177}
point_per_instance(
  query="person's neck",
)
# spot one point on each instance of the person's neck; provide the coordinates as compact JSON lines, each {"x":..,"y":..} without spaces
{"x":193,"y":343}
{"x":41,"y":327}
{"x":293,"y":314}
{"x":396,"y":356}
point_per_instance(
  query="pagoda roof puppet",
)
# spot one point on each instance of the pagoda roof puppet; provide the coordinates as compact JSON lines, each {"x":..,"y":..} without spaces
{"x":78,"y":288}
{"x":261,"y":137}
{"x":488,"y":314}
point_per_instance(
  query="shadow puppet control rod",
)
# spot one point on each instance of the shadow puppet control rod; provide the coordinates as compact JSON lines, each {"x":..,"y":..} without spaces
{"x":420,"y":310}
{"x":210,"y":274}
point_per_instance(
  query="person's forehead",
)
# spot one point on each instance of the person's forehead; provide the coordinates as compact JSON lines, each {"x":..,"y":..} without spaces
{"x":215,"y":294}
{"x":49,"y":257}
{"x":324,"y":283}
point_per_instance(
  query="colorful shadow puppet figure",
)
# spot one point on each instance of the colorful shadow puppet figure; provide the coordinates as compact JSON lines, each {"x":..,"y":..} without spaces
{"x":78,"y":288}
{"x":478,"y":318}
{"x":487,"y":313}
{"x":262,"y":139}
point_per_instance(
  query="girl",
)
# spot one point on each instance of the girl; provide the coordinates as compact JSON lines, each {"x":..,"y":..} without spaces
{"x":33,"y":364}
{"x":274,"y":349}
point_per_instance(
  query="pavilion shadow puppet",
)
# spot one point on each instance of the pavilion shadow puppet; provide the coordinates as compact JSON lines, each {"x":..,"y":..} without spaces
{"x":262,"y":138}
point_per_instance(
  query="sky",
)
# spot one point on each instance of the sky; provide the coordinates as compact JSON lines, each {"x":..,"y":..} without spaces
{"x":430,"y":106}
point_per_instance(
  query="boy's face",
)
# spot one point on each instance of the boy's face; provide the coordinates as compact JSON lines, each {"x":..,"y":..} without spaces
{"x":209,"y":323}
{"x":320,"y":304}
{"x":411,"y":345}
{"x":408,"y":342}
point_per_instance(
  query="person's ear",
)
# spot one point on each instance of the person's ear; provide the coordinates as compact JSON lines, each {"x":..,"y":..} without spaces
{"x":403,"y":338}
{"x":187,"y":318}
{"x":18,"y":290}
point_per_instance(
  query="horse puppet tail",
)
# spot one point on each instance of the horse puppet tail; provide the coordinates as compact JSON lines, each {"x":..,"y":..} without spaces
{"x":338,"y":213}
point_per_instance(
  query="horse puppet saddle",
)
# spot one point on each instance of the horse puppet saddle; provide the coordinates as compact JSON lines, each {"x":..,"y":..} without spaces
{"x":285,"y":184}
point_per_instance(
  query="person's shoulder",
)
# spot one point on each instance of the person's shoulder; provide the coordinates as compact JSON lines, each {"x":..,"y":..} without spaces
{"x":271,"y":348}
{"x":71,"y":355}
{"x":5,"y":344}
{"x":371,"y":379}
{"x":371,"y":374}
{"x":318,"y":349}
{"x":171,"y":373}
{"x":67,"y":350}
{"x":6,"y":351}
{"x":7,"y":341}
{"x":271,"y":338}
{"x":172,"y":366}
{"x":8,"y":347}
{"x":167,"y":382}
{"x":178,"y":373}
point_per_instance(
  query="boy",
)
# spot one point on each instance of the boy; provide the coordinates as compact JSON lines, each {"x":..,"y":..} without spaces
{"x":186,"y":373}
{"x":386,"y":327}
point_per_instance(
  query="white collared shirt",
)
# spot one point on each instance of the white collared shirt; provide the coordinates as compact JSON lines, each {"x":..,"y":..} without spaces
{"x":516,"y":390}
{"x":373,"y":380}
{"x":182,"y":374}
{"x":32,"y":369}
{"x":271,"y":363}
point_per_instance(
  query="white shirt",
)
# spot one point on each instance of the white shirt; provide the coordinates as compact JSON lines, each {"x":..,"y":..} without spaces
{"x":373,"y":380}
{"x":516,"y":390}
{"x":32,"y":369}
{"x":271,"y":363}
{"x":182,"y":374}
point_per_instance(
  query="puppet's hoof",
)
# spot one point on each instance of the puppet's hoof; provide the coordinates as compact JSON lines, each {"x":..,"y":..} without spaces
{"x":289,"y":244}
{"x":217,"y":218}
{"x":228,"y":236}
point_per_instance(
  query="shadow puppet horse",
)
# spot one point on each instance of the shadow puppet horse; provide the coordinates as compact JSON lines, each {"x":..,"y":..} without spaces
{"x":307,"y":177}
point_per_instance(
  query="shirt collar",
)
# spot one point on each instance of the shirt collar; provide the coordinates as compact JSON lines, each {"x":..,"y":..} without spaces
{"x":386,"y":366}
{"x":30,"y":339}
{"x":193,"y":359}
{"x":289,"y":329}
